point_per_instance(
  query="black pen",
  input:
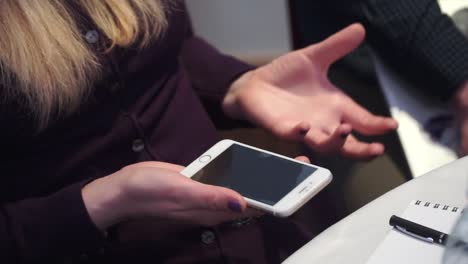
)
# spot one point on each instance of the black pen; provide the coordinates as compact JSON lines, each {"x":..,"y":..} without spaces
{"x":418,"y":231}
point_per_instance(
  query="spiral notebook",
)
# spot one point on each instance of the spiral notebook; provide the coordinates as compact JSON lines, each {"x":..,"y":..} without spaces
{"x":400,"y":248}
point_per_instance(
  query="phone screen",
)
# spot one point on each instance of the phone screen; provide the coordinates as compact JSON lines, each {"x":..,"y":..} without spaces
{"x":254,"y":174}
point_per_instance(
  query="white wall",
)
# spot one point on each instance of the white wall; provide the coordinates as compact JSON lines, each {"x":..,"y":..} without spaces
{"x":451,"y":6}
{"x":252,"y":29}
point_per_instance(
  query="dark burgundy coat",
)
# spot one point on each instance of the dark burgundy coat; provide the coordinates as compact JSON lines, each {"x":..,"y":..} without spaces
{"x":160,"y":103}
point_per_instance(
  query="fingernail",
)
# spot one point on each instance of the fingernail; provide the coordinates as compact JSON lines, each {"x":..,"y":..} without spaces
{"x":235,"y":206}
{"x":393,"y":123}
{"x":344,"y":135}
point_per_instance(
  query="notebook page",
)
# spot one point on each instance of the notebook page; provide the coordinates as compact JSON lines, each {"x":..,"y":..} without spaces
{"x":400,"y":248}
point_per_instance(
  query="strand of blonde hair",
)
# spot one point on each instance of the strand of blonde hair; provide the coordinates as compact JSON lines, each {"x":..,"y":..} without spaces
{"x":44,"y":60}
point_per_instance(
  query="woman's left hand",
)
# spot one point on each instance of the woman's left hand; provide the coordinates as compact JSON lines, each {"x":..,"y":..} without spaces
{"x":293,"y":98}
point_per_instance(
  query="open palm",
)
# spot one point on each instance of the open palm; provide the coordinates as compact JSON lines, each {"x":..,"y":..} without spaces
{"x":293,"y":98}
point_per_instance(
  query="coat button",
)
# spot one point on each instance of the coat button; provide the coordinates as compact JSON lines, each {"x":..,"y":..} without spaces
{"x":241,"y":222}
{"x":92,"y":36}
{"x":138,"y":145}
{"x":207,"y":237}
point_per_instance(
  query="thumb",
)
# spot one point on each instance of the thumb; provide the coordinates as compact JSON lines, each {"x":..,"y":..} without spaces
{"x":336,"y":46}
{"x":157,"y":164}
{"x":216,"y":198}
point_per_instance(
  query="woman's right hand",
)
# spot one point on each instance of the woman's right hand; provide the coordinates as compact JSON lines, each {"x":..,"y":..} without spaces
{"x":158,"y":189}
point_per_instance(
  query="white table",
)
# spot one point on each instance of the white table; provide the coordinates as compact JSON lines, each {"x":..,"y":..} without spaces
{"x":353,"y":239}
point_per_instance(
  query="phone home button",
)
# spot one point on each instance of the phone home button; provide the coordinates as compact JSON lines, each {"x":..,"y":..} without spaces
{"x":204,"y":158}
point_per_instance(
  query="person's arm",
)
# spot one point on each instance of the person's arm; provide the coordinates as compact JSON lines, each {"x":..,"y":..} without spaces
{"x":50,"y":227}
{"x":423,"y":44}
{"x":416,"y":38}
{"x":73,"y":221}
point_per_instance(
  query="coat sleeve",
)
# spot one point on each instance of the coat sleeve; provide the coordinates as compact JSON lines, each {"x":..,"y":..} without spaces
{"x":49,"y":227}
{"x":211,"y":74}
{"x":416,"y":38}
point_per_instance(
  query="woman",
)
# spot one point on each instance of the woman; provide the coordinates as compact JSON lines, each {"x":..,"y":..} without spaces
{"x":123,"y":88}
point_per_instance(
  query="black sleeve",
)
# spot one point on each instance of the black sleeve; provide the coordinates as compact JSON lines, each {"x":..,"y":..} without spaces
{"x":415,"y":37}
{"x":41,"y":229}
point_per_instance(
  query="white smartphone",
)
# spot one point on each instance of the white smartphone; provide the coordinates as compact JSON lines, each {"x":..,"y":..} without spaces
{"x":270,"y":182}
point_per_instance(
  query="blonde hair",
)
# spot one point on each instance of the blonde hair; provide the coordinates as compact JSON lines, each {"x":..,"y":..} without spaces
{"x":44,"y":59}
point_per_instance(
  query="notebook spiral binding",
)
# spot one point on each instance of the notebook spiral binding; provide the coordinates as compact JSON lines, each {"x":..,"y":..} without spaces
{"x":437,"y":206}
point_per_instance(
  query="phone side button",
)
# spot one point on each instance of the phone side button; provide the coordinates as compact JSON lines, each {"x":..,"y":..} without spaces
{"x":204,"y":158}
{"x":305,"y":188}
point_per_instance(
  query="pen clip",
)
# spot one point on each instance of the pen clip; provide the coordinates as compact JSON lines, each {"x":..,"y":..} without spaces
{"x":403,"y":230}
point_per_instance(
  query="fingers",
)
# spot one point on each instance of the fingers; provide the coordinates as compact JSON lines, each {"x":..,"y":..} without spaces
{"x":215,"y":198}
{"x":461,"y":110}
{"x":365,"y":122}
{"x":157,"y":164}
{"x":303,"y":159}
{"x":464,"y":136}
{"x":324,"y":142}
{"x":199,"y":196}
{"x":291,"y":130}
{"x":336,"y":46}
{"x":214,"y":205}
{"x":340,"y":140}
{"x":361,"y":150}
